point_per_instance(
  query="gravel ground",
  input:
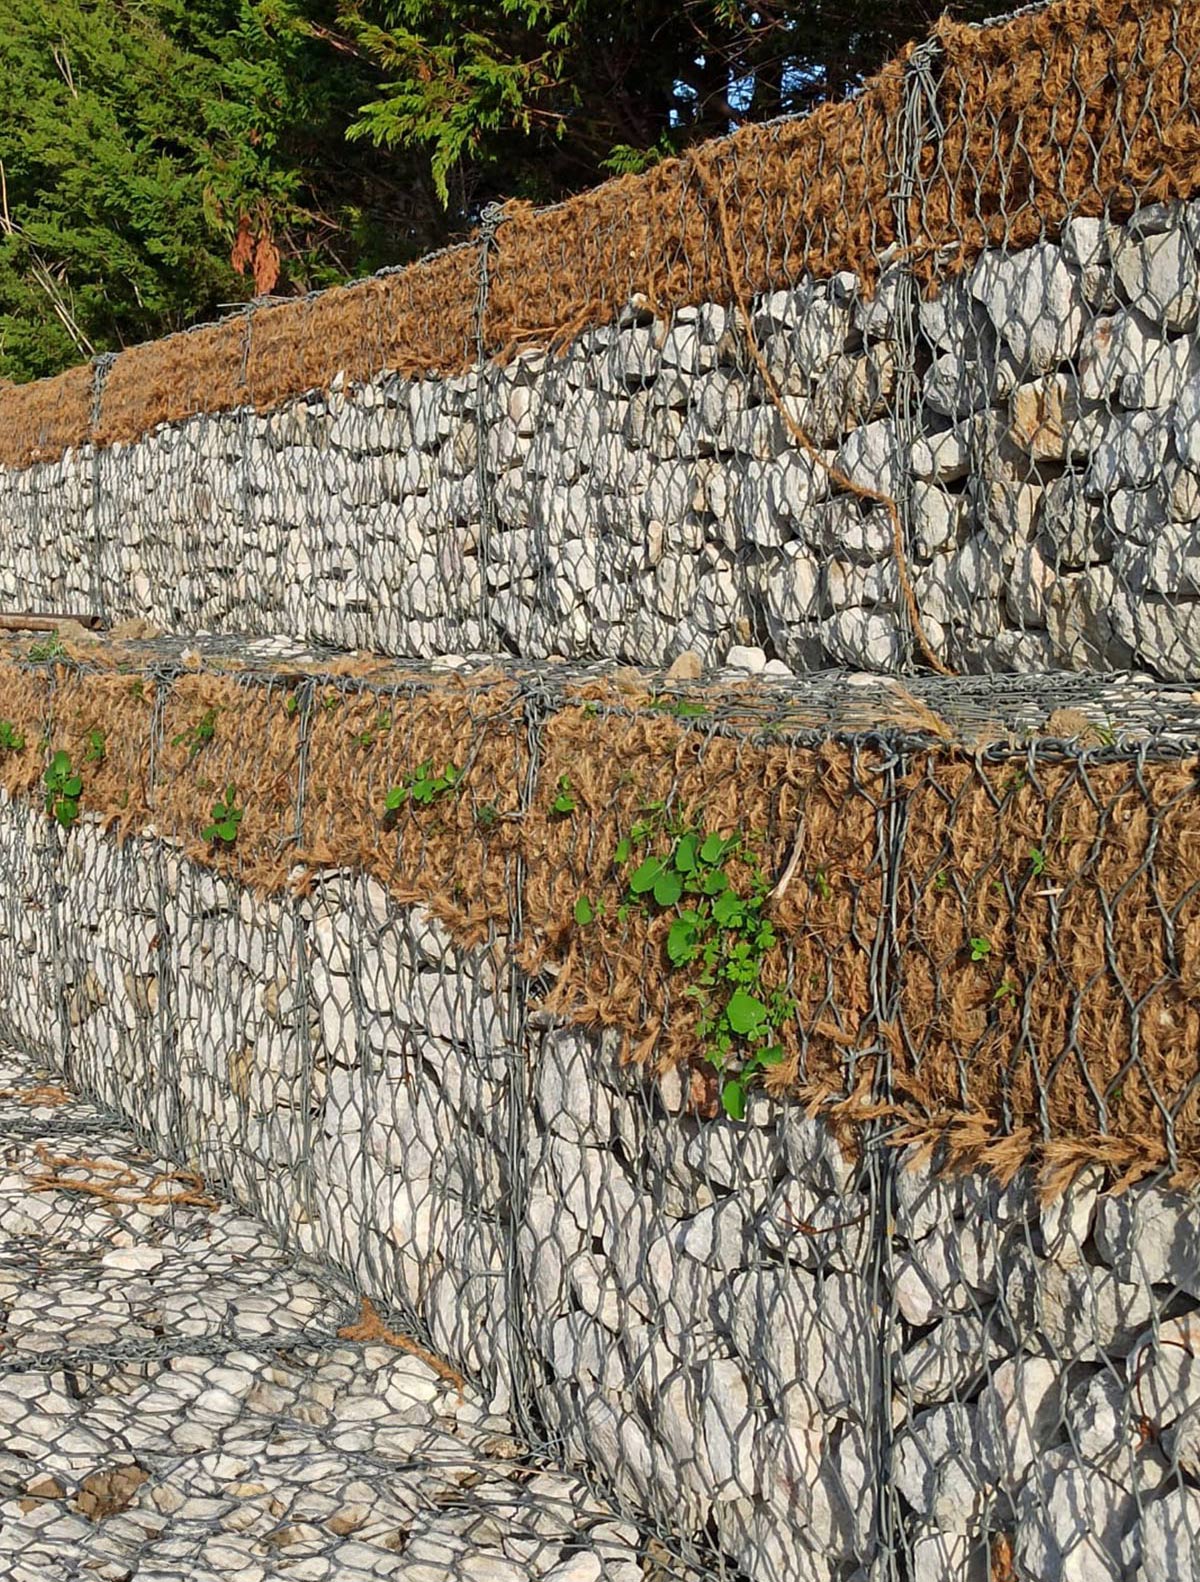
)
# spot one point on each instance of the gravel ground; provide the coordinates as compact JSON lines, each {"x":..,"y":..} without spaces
{"x":177,"y":1404}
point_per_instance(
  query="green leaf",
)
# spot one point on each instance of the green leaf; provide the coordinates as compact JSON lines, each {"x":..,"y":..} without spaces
{"x":744,"y":1013}
{"x":681,"y":941}
{"x":394,"y":798}
{"x":714,"y":882}
{"x":668,"y":887}
{"x":646,"y":877}
{"x":60,"y":764}
{"x":733,"y":1099}
{"x":624,"y":848}
{"x":727,"y":909}
{"x":584,"y":912}
{"x":72,"y":786}
{"x":227,"y":829}
{"x":685,"y":854}
{"x":713,"y":849}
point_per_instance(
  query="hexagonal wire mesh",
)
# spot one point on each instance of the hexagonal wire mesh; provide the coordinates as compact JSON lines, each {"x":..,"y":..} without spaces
{"x":771,"y":1348}
{"x":912,"y":385}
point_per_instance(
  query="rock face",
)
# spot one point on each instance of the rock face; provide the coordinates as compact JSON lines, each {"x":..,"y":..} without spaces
{"x":642,"y":495}
{"x":738,"y":1330}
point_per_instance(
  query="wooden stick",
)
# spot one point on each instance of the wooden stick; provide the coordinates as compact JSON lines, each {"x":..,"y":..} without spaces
{"x":44,"y":623}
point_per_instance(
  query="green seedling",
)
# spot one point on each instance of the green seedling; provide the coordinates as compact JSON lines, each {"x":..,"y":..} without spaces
{"x":96,"y":748}
{"x":713,"y":890}
{"x":225,"y":819}
{"x":564,"y":802}
{"x":64,"y":787}
{"x":981,"y":948}
{"x":423,"y":786}
{"x":196,"y":737}
{"x":11,"y":739}
{"x":48,"y":648}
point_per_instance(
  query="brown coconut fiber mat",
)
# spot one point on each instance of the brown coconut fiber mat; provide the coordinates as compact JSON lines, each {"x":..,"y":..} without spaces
{"x":983,"y":907}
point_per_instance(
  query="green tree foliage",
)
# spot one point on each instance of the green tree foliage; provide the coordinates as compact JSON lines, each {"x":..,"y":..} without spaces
{"x":538,"y":98}
{"x":160,"y":158}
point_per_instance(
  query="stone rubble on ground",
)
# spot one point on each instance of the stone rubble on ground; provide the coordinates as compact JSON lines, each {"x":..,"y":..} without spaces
{"x":177,"y":1404}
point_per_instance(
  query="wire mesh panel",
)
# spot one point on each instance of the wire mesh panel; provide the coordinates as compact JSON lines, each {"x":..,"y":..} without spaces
{"x":905,"y":384}
{"x":180,"y":1398}
{"x":777,"y":1098}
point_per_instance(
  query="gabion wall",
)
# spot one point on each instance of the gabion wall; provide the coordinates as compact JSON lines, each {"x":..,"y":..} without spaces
{"x":824,"y":1364}
{"x":1037,"y":424}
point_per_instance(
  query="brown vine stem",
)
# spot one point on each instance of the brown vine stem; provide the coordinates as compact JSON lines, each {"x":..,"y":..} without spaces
{"x":712,"y":190}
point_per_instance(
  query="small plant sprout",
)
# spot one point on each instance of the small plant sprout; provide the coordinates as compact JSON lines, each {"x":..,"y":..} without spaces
{"x":1037,"y":862}
{"x":196,"y":737}
{"x":564,"y":802}
{"x":423,"y":786}
{"x":291,"y":705}
{"x":48,"y":648}
{"x":225,"y":819}
{"x":981,"y":948}
{"x":96,"y":747}
{"x":63,"y":789}
{"x":719,"y":935}
{"x":1006,"y":991}
{"x":822,"y":885}
{"x":11,"y":739}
